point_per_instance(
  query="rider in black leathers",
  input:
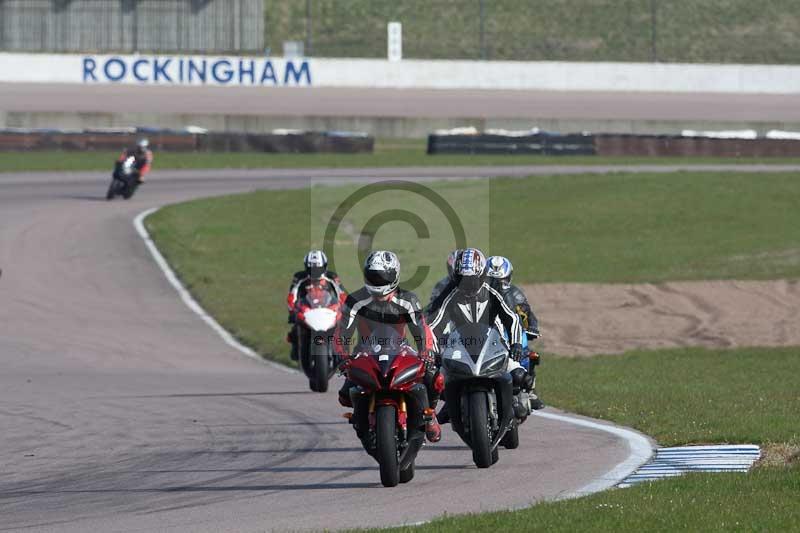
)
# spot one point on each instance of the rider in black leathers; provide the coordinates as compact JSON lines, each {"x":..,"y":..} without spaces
{"x":382,"y":303}
{"x":470,"y":299}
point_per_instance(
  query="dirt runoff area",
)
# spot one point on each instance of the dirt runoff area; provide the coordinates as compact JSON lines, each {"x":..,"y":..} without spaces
{"x":585,"y":319}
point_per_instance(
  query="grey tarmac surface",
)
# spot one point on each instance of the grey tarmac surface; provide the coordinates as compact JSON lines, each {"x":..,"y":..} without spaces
{"x":432,"y":103}
{"x":122,"y":411}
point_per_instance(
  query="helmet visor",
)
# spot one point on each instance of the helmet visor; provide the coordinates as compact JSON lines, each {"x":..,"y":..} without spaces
{"x":470,"y":285}
{"x":315,"y":272}
{"x":379,"y":278}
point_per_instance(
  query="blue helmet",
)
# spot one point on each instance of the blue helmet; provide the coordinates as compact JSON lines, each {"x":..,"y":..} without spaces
{"x":500,"y":268}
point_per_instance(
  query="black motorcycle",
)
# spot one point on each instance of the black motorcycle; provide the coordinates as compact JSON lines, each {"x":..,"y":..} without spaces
{"x":479,"y":391}
{"x":124,"y":180}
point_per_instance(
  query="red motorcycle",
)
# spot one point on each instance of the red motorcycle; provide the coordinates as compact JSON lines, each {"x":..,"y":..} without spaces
{"x":317,"y":315}
{"x":389,"y":404}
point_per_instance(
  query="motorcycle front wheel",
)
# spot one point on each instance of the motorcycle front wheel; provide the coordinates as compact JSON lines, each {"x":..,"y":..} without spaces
{"x":320,"y":373}
{"x":112,"y":190}
{"x":386,"y":453}
{"x":130,"y":189}
{"x":479,"y":429}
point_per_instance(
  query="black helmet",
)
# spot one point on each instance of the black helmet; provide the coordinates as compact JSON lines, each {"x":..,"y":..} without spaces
{"x":381,"y":273}
{"x":316,"y":263}
{"x":470,"y":272}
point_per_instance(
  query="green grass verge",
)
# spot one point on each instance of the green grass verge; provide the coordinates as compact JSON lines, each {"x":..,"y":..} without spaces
{"x":237,"y":253}
{"x":685,"y":396}
{"x":764,"y":500}
{"x":388,"y":153}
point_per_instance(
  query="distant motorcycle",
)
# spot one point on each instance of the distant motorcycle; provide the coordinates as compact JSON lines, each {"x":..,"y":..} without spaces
{"x":317,"y":315}
{"x":124,"y":180}
{"x":389,"y":399}
{"x":481,"y":403}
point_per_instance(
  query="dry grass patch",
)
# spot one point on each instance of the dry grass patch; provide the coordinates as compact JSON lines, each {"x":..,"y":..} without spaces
{"x":779,"y":455}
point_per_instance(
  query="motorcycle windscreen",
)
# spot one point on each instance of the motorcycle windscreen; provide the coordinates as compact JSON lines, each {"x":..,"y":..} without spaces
{"x":318,"y":296}
{"x":476,"y":345}
{"x":320,"y":319}
{"x":383,"y":343}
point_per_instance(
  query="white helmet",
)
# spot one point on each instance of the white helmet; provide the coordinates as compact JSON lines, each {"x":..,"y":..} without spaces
{"x":316,"y":263}
{"x":381,"y":272}
{"x":500,"y":268}
{"x":143,"y":144}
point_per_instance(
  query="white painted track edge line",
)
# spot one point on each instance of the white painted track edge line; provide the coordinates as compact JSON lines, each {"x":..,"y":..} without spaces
{"x":640,"y":451}
{"x":188,"y":299}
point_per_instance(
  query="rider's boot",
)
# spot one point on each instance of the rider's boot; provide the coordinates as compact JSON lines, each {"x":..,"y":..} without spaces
{"x":433,"y":432}
{"x":536,"y":402}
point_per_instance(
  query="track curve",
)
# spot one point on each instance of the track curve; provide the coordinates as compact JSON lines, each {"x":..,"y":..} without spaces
{"x":122,"y":411}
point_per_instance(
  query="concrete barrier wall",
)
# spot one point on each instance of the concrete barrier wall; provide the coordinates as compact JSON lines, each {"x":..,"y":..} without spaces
{"x":262,"y":71}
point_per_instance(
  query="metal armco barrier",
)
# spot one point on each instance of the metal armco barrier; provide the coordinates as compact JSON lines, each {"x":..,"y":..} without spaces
{"x":612,"y":145}
{"x":175,"y":141}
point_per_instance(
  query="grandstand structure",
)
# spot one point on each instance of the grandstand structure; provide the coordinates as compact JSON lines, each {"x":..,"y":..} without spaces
{"x":190,"y":26}
{"x":682,"y":31}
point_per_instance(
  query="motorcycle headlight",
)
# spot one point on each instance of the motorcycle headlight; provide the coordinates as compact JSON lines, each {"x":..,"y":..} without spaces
{"x":454,"y":367}
{"x":405,"y":376}
{"x":493,"y":365}
{"x":362,"y":378}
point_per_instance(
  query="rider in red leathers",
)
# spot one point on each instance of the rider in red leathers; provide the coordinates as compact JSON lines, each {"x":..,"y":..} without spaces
{"x":143,"y":155}
{"x":316,"y":271}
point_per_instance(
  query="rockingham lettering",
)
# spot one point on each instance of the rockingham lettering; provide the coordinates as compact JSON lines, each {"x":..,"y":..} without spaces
{"x":160,"y":70}
{"x":167,"y":70}
{"x":115,"y":69}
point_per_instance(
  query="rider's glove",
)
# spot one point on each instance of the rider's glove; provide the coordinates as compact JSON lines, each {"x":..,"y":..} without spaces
{"x":516,"y":351}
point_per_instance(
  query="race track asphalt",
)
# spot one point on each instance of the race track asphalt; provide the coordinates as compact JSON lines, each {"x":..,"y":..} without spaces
{"x":402,"y":103}
{"x":121,"y":410}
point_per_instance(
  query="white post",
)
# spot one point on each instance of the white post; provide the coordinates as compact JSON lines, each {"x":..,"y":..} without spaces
{"x":394,"y":41}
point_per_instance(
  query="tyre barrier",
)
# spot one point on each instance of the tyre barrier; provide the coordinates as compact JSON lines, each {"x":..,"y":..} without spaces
{"x":676,"y":145}
{"x":288,"y":141}
{"x":611,"y":144}
{"x":536,"y":143}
